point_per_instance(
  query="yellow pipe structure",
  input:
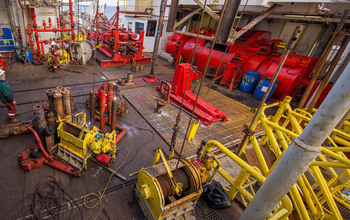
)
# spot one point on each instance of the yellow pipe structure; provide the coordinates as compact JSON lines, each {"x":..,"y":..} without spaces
{"x":286,"y":207}
{"x":287,"y":130}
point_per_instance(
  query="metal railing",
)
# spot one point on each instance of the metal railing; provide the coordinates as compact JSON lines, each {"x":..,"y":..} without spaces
{"x":327,"y":179}
{"x":135,"y":6}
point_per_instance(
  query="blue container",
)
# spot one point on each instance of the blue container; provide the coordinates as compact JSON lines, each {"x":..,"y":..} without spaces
{"x":250,"y":79}
{"x":18,"y":52}
{"x":261,"y":89}
{"x":29,"y":55}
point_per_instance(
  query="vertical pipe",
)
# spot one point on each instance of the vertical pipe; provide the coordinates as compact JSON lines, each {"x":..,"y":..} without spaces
{"x":329,"y":73}
{"x":58,"y":104}
{"x":66,"y":101}
{"x":159,"y":31}
{"x":35,"y":25}
{"x":49,"y":139}
{"x":71,"y":19}
{"x":49,"y":94}
{"x":319,"y":66}
{"x":117,"y":18}
{"x":172,"y":15}
{"x":102,"y":109}
{"x":290,"y":46}
{"x":229,"y":15}
{"x":92,"y":106}
{"x":302,"y":152}
{"x":114,"y":114}
{"x":110,"y":95}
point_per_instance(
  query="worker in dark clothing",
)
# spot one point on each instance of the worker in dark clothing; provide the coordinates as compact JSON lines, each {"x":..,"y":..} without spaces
{"x":6,"y":97}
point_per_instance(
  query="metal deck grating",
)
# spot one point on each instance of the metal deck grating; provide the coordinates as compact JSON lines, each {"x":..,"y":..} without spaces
{"x":225,"y":132}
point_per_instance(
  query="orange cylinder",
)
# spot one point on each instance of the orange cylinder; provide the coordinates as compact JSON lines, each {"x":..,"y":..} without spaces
{"x":114,"y":114}
{"x":110,"y":96}
{"x":102,"y":109}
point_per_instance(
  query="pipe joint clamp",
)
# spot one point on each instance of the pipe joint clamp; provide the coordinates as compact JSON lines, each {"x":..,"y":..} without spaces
{"x":298,"y":141}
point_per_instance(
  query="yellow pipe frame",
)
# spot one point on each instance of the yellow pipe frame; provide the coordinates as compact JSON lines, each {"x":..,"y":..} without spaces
{"x":285,"y":131}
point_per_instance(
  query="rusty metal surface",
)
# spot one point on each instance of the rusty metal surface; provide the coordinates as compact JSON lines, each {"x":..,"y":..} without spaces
{"x":225,"y":132}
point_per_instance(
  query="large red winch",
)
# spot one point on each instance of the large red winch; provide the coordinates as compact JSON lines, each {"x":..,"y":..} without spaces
{"x":119,"y":46}
{"x":254,"y":50}
{"x":205,"y":112}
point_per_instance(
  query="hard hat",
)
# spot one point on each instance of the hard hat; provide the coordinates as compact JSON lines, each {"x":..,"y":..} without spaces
{"x":2,"y":72}
{"x":53,"y":43}
{"x":88,"y":28}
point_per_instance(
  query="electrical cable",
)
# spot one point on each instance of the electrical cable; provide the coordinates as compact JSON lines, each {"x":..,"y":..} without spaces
{"x":99,"y":197}
{"x":48,"y":200}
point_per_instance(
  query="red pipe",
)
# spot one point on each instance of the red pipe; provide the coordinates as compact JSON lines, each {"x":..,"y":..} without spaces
{"x":108,"y":54}
{"x":52,"y":30}
{"x":71,"y":19}
{"x":110,"y":96}
{"x":117,"y":16}
{"x":102,"y":109}
{"x":29,"y":33}
{"x":46,"y":155}
{"x":42,"y":48}
{"x":114,"y":114}
{"x":35,"y":25}
{"x":119,"y":128}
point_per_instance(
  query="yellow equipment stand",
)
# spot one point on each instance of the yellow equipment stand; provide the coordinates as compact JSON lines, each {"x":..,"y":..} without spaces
{"x":78,"y":142}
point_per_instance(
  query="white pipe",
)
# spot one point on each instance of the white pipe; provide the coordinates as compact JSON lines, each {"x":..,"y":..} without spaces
{"x":302,"y":152}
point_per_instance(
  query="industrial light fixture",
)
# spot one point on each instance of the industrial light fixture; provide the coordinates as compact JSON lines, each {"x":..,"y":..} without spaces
{"x":302,"y":16}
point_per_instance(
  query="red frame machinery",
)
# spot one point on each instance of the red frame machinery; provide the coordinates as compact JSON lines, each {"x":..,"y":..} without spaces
{"x":205,"y":112}
{"x":254,"y":50}
{"x":119,"y":45}
{"x":28,"y":163}
{"x":35,"y":30}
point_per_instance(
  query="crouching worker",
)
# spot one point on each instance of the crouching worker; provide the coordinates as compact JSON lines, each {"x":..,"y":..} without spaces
{"x":6,"y":97}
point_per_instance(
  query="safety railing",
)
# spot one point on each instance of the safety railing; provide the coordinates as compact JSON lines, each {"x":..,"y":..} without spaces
{"x":135,"y":6}
{"x":327,"y":179}
{"x":248,"y":176}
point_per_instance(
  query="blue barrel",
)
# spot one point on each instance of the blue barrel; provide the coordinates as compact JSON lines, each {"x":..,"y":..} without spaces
{"x":261,"y":89}
{"x":18,"y":52}
{"x":29,"y":55}
{"x":250,"y":79}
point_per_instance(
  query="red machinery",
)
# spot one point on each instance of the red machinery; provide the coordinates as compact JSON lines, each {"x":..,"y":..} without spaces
{"x":37,"y":157}
{"x":205,"y":112}
{"x":254,"y":50}
{"x":33,"y":29}
{"x":119,"y":46}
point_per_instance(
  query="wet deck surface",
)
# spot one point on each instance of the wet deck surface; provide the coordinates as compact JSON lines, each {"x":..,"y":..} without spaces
{"x":29,"y":84}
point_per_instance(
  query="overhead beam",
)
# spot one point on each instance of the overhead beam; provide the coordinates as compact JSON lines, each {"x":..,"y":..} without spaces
{"x":186,"y":18}
{"x":208,"y":10}
{"x":234,"y":35}
{"x":193,"y":35}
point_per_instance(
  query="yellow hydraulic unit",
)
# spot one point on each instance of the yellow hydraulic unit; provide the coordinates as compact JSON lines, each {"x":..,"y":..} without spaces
{"x":79,"y":141}
{"x":165,"y":193}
